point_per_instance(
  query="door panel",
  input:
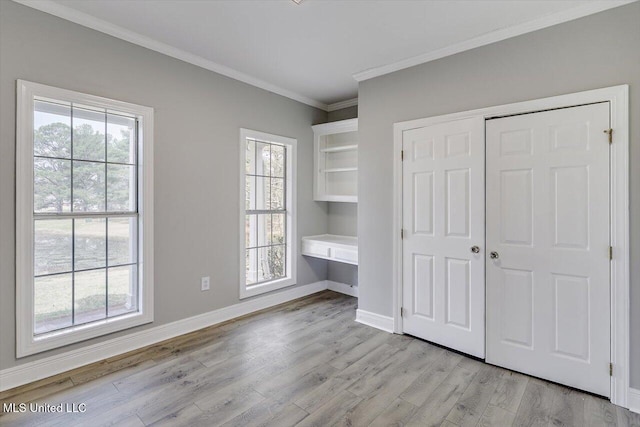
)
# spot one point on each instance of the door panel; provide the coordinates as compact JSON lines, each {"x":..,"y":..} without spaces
{"x":516,"y":323}
{"x":548,"y":309}
{"x":423,"y":207}
{"x":457,"y":292}
{"x":443,"y":216}
{"x":423,"y":296}
{"x":516,"y":197}
{"x":457,"y":202}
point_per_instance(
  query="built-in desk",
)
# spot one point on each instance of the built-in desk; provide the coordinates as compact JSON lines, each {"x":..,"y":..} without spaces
{"x":332,"y":247}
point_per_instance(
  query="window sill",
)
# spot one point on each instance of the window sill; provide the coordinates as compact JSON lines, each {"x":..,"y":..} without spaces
{"x":250,"y":291}
{"x":51,"y":340}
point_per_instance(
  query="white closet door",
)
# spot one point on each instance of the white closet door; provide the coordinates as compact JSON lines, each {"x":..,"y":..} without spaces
{"x":548,"y":224}
{"x":443,"y":218}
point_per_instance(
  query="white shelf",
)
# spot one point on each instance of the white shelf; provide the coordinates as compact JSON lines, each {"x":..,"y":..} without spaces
{"x":338,"y":149}
{"x":334,"y":170}
{"x":331,"y":247}
{"x":336,"y":152}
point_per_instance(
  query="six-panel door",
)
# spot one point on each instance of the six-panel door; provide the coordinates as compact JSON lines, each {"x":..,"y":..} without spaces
{"x":548,"y":223}
{"x":443,"y":217}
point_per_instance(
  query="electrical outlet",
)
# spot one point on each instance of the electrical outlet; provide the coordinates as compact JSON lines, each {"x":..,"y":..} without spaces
{"x":205,"y":283}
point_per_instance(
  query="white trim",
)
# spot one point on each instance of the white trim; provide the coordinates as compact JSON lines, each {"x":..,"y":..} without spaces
{"x":49,"y":366}
{"x":397,"y":229}
{"x":341,"y":126}
{"x":342,"y":104}
{"x":100,"y":25}
{"x":634,"y":400}
{"x":342,"y":288}
{"x":493,"y":37}
{"x":378,"y":321}
{"x":291,"y":145}
{"x":618,"y":97}
{"x":26,"y":343}
{"x":97,"y":24}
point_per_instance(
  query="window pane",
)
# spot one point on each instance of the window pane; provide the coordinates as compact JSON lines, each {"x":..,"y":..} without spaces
{"x":90,"y":296}
{"x":51,"y":130}
{"x":121,"y":144}
{"x":277,"y":194}
{"x":262,"y":193}
{"x":263,"y":162}
{"x":251,"y":231}
{"x":264,"y":266}
{"x":264,"y":229}
{"x":88,"y":186}
{"x":90,"y":240}
{"x":277,"y":161}
{"x":277,"y":261}
{"x":52,"y":246}
{"x":122,"y":237}
{"x":52,"y":302}
{"x":250,"y":192}
{"x":88,"y":134}
{"x":278,"y":229}
{"x":121,"y":191}
{"x":51,"y":185}
{"x":250,"y":266}
{"x":123,"y":290}
{"x":250,"y":157}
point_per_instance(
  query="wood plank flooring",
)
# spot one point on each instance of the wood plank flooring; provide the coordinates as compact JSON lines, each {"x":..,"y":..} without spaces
{"x":305,"y":363}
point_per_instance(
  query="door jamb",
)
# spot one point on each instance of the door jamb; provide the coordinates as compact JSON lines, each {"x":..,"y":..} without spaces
{"x":618,"y":97}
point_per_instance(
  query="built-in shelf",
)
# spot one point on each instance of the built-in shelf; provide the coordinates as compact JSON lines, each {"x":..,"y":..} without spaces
{"x":334,"y":170}
{"x":351,"y":147}
{"x":331,"y":247}
{"x":336,"y":152}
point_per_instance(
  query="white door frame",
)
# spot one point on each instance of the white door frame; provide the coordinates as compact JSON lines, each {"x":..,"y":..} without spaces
{"x":618,"y":96}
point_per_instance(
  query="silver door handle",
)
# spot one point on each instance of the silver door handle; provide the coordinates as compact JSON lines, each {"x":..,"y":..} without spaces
{"x":494,"y":255}
{"x":475,"y":249}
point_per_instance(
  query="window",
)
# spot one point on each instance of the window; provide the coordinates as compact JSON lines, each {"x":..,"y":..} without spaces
{"x":267,"y":212}
{"x":83,"y":216}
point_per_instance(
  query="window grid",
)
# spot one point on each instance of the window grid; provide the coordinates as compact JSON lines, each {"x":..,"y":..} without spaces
{"x":104,"y":214}
{"x":268,"y":211}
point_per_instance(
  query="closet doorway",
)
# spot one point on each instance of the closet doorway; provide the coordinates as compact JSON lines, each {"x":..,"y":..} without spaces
{"x":535,"y":286}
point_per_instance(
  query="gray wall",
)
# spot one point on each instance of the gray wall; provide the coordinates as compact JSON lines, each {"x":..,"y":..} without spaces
{"x":593,"y":52}
{"x":343,"y":217}
{"x":197,"y":119}
{"x":343,"y":220}
{"x":343,"y":114}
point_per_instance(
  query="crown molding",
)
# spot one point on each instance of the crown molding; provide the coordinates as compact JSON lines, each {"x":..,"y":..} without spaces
{"x":89,"y":21}
{"x":342,"y":104}
{"x":493,"y":37}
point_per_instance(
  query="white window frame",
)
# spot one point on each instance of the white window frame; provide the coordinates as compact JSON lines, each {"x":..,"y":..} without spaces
{"x":290,"y":183}
{"x":26,"y":342}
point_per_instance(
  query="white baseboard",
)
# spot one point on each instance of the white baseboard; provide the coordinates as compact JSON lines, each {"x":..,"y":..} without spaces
{"x":368,"y":318}
{"x":53,"y":365}
{"x":633,"y":400}
{"x":342,"y":288}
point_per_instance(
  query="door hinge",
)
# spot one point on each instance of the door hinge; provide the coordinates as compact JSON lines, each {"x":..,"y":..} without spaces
{"x":610,"y":369}
{"x":402,"y":312}
{"x":402,"y":155}
{"x":610,"y":252}
{"x":610,"y":133}
{"x":402,"y":233}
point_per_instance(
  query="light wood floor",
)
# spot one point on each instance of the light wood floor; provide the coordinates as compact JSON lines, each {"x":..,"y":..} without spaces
{"x":307,"y":363}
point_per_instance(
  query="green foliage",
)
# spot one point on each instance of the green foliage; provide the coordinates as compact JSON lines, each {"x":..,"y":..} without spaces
{"x":52,"y":176}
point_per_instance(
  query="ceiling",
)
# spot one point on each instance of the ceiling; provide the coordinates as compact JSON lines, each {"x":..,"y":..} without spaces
{"x":311,"y":52}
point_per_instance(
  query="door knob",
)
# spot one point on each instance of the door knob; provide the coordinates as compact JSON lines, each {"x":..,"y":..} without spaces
{"x":494,"y":255}
{"x":475,"y":249}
